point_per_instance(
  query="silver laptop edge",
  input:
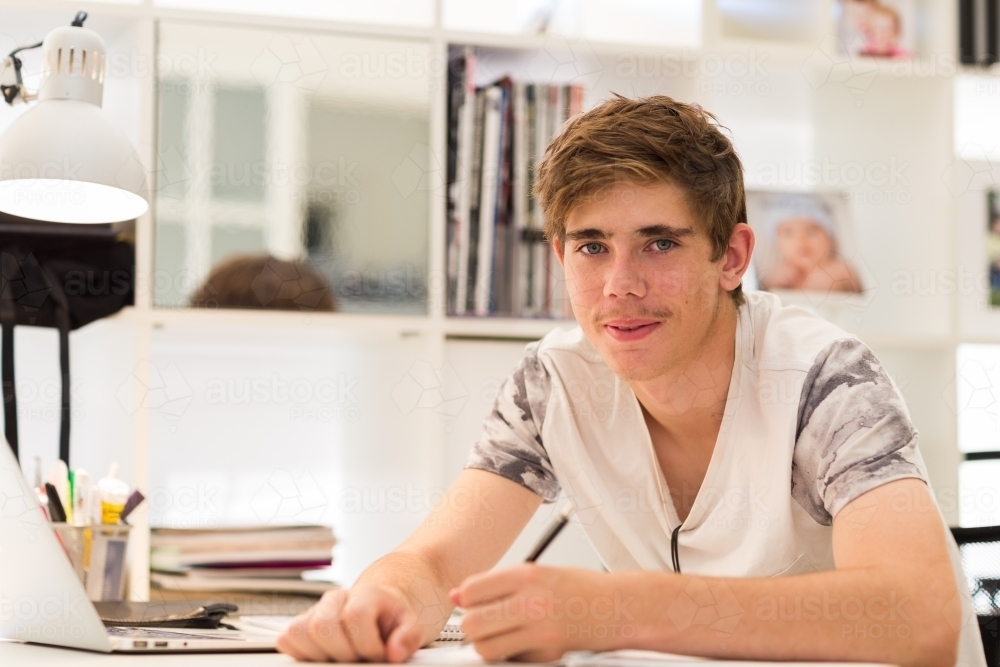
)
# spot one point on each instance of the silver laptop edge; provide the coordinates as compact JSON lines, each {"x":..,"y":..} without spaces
{"x":43,"y":601}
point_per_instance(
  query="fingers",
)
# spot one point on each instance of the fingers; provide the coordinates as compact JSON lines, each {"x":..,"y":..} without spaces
{"x":300,"y":640}
{"x":362,"y":619}
{"x":491,"y":619}
{"x":507,"y":645}
{"x":481,"y":588}
{"x":296,"y":642}
{"x":325,"y":630}
{"x":349,"y":626}
{"x":403,"y":642}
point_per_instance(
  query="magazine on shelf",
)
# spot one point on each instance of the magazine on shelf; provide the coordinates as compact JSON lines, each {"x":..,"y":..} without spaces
{"x":461,"y":133}
{"x":498,"y":260}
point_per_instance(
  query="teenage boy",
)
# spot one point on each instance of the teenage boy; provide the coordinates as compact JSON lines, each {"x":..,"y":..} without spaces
{"x":748,"y":473}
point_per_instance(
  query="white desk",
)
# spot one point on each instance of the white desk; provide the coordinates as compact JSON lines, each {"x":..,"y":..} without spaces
{"x":18,"y":655}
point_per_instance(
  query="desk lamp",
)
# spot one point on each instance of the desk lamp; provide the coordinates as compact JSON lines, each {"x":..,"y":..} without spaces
{"x":69,"y":195}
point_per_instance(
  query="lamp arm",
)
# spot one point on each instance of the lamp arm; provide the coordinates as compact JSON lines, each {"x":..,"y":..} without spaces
{"x":13,"y":91}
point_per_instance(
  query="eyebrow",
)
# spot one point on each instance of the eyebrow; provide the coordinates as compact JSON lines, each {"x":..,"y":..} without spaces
{"x":649,"y":231}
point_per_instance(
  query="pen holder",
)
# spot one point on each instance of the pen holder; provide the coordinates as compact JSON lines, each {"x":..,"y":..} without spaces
{"x":97,"y":554}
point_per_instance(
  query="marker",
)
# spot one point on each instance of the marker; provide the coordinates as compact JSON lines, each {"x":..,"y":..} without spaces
{"x":59,"y":479}
{"x":130,"y":504}
{"x":56,"y":511}
{"x":71,"y":482}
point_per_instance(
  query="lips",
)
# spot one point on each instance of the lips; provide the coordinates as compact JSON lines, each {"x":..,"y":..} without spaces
{"x":627,"y":330}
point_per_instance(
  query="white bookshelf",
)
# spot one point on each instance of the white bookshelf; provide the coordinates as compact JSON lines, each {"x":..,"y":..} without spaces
{"x":902,"y":113}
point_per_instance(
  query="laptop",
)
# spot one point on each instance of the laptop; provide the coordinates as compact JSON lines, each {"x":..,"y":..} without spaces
{"x":43,"y":601}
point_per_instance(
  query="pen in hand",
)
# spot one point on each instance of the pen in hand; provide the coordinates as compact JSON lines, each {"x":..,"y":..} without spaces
{"x":544,"y":542}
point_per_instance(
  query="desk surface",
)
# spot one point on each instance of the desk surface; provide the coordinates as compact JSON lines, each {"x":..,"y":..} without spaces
{"x":13,"y":654}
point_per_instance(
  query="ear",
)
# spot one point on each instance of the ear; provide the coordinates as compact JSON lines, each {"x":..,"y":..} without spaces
{"x":557,"y":246}
{"x":737,"y":259}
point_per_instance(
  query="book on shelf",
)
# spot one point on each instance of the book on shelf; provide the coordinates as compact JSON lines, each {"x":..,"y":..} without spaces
{"x":251,"y":559}
{"x":498,"y":259}
{"x":979,"y":32}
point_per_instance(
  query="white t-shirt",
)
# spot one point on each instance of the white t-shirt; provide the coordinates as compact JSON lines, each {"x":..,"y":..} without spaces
{"x":812,"y":422}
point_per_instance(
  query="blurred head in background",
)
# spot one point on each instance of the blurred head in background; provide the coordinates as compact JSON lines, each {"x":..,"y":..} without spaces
{"x":263,"y":281}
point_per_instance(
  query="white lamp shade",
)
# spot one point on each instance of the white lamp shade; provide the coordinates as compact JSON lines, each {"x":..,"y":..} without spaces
{"x":53,"y":154}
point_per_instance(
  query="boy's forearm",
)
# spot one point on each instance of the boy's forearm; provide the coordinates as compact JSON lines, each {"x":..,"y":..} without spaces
{"x":863,"y":615}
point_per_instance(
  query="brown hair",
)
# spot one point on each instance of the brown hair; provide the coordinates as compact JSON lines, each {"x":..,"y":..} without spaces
{"x":262,"y":281}
{"x":645,"y":141}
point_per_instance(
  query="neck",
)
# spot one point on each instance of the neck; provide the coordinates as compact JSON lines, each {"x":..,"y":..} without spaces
{"x":691,"y":396}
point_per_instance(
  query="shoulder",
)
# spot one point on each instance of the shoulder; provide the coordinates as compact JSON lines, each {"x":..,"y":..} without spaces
{"x":853,"y":431}
{"x":846,"y":378}
{"x":778,"y":337}
{"x":527,"y":388}
{"x":568,"y":357}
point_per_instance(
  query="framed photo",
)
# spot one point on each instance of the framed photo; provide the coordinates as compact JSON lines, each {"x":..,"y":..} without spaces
{"x":877,"y":28}
{"x":805,"y":242}
{"x":993,"y":244}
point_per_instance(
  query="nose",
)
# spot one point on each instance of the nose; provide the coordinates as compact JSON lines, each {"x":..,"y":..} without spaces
{"x":624,"y":277}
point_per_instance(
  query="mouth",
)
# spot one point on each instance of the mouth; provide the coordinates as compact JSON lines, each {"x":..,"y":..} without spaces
{"x":628,"y":330}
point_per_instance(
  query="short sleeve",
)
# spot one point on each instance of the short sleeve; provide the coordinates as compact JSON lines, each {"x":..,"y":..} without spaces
{"x":511,"y":444}
{"x":853,"y":433}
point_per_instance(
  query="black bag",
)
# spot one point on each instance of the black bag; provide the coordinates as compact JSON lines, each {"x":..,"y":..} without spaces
{"x":175,"y":614}
{"x":62,"y":276}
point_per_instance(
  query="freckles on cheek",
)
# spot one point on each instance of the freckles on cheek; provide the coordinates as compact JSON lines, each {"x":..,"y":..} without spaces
{"x":673,"y":284}
{"x":584,"y":287}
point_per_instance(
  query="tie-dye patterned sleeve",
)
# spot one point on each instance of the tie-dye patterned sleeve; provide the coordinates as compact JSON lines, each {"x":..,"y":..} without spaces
{"x":511,"y":444}
{"x":853,"y":434}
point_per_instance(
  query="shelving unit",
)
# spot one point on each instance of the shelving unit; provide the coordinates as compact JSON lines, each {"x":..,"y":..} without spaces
{"x":762,"y":86}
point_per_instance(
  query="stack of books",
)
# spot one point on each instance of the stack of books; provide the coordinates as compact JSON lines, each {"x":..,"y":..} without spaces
{"x":499,"y":262}
{"x":265,"y":559}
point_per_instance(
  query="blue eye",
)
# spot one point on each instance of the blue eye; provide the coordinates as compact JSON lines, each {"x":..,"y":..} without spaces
{"x":592,"y":249}
{"x":663,"y":245}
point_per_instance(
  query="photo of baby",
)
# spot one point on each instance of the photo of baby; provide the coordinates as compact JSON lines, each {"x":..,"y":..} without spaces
{"x":877,"y":28}
{"x":799,"y":242}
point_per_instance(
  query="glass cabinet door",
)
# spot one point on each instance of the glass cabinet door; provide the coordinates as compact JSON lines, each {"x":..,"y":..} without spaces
{"x":293,"y":170}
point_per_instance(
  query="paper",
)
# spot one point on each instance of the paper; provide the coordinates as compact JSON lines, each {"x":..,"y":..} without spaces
{"x":449,"y":655}
{"x":624,"y":658}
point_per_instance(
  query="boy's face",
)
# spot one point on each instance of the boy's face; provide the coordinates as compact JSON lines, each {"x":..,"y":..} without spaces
{"x":641,"y":279}
{"x":803,"y":243}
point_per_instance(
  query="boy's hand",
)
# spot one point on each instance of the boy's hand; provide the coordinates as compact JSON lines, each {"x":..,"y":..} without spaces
{"x":536,"y":614}
{"x":364,"y":623}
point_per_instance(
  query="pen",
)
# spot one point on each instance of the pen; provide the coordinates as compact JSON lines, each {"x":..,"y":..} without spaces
{"x":550,"y":534}
{"x":81,"y":498}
